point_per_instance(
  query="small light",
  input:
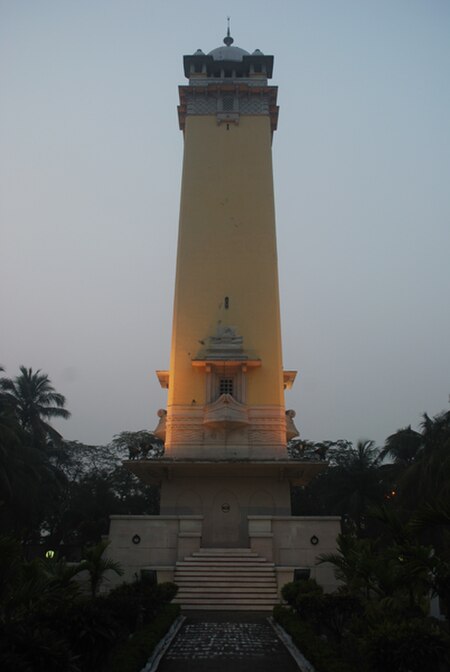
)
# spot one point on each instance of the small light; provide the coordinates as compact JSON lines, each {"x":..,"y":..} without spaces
{"x":136,"y":539}
{"x":314,"y":540}
{"x":49,"y":554}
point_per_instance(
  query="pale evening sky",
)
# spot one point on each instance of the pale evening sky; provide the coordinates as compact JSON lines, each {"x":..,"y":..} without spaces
{"x":90,"y":167}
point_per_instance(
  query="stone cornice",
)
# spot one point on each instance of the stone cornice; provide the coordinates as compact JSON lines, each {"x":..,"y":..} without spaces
{"x":237,"y":89}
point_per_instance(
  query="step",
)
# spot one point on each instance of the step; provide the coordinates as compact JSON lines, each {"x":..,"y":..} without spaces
{"x":222,"y":560}
{"x":223,"y":583}
{"x":226,"y":579}
{"x":229,"y":600}
{"x":224,"y":565}
{"x":225,"y":557}
{"x":217,"y":590}
{"x":220,"y":598}
{"x":227,"y":607}
{"x":224,"y":602}
{"x":221,"y":595}
{"x":246,"y":562}
{"x":232,"y":576}
{"x":229,"y":571}
{"x":223,"y":551}
{"x":225,"y":590}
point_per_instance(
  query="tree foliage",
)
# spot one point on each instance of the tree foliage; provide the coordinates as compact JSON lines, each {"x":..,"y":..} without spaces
{"x":29,"y":483}
{"x":34,"y":401}
{"x":98,"y":486}
{"x":352,"y":482}
{"x":139,"y":445}
{"x":47,"y":622}
{"x":64,"y":490}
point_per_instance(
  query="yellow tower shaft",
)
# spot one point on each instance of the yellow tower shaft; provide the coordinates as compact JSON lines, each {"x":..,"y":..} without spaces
{"x":227,"y":262}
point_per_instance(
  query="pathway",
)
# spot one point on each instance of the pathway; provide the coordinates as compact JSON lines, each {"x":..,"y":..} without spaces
{"x":224,"y":642}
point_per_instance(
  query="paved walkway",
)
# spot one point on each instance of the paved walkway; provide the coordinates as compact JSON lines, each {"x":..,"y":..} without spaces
{"x":225,"y":642}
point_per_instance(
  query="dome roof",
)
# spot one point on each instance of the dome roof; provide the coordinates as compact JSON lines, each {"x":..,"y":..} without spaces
{"x":228,"y":53}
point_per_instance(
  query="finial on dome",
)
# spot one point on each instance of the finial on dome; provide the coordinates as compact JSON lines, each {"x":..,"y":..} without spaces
{"x":228,"y":39}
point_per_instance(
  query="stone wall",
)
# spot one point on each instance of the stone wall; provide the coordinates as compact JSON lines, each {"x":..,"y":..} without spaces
{"x":152,"y":542}
{"x":295,"y":542}
{"x":157,"y":542}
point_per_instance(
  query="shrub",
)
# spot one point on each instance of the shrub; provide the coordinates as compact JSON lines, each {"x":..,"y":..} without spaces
{"x":336,"y":612}
{"x":409,"y":646}
{"x":292,"y":591}
{"x":134,"y":604}
{"x":92,"y":632}
{"x":155,"y":596}
{"x":125,"y":603}
{"x":329,"y":614}
{"x":79,"y":636}
{"x":131,"y":656}
{"x":323,"y":656}
{"x":27,"y":646}
{"x":310,"y":607}
{"x":167,"y":591}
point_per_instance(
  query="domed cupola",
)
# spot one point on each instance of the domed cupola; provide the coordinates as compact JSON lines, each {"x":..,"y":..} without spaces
{"x":229,"y":62}
{"x":228,"y":53}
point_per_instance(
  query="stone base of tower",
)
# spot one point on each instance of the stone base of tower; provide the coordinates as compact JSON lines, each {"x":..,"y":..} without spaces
{"x":164,"y":543}
{"x":224,"y":505}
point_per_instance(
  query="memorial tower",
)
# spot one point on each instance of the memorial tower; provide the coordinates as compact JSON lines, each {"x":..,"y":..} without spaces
{"x":225,"y":429}
{"x":225,"y":477}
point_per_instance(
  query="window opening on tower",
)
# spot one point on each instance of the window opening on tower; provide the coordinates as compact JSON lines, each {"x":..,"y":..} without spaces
{"x":228,"y":104}
{"x":227,"y":302}
{"x":226,"y":386}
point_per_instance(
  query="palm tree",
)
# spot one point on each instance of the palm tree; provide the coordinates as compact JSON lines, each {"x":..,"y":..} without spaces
{"x":35,"y":401}
{"x":9,"y":445}
{"x":355,"y":483}
{"x":97,"y":566}
{"x":29,"y":483}
{"x":397,"y":575}
{"x":427,"y":477}
{"x":353,"y":564}
{"x":10,"y":569}
{"x":433,"y":520}
{"x":403,"y":446}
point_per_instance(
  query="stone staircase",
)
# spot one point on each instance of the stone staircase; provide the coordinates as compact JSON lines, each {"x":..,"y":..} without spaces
{"x":232,"y":579}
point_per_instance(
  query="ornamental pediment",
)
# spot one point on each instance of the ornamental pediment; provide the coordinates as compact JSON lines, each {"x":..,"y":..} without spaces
{"x":224,"y":343}
{"x":226,"y":413}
